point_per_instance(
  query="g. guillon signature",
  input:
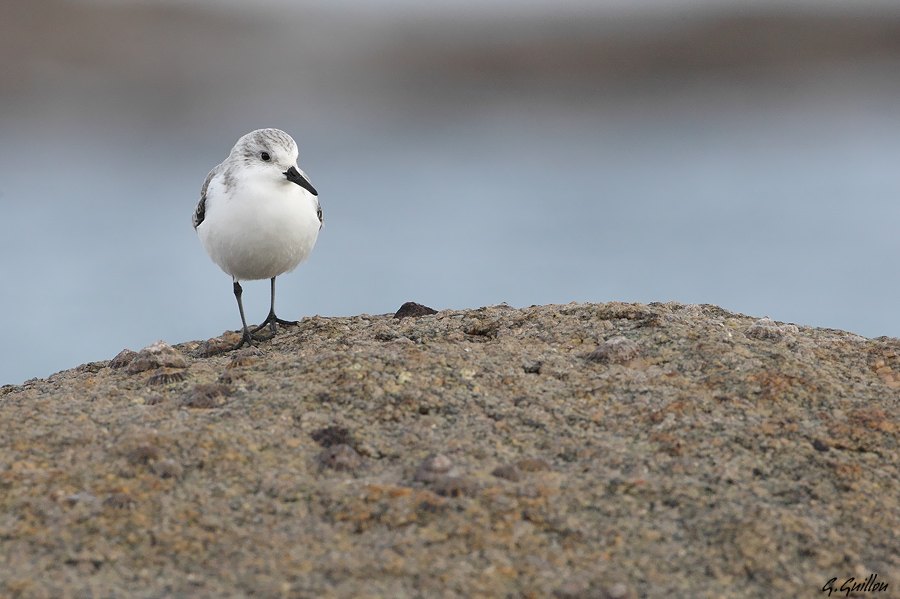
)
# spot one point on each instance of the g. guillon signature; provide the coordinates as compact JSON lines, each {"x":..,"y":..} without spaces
{"x":851,"y":585}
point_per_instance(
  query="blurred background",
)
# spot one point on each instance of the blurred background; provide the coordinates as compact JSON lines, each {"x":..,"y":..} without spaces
{"x":740,"y":153}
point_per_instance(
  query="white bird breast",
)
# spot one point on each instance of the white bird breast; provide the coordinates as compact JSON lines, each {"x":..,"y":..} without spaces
{"x":261,"y":229}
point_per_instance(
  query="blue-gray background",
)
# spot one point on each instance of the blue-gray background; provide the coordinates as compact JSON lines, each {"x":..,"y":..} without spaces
{"x":745,"y":154}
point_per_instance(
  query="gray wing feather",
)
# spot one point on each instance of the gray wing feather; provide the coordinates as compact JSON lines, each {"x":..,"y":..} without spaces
{"x":200,"y":211}
{"x":319,"y":214}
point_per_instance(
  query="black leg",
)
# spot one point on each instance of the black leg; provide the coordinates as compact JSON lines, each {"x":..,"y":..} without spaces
{"x":247,"y":337}
{"x":271,"y":319}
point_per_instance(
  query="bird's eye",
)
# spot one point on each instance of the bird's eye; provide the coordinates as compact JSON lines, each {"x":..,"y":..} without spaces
{"x":265,"y":156}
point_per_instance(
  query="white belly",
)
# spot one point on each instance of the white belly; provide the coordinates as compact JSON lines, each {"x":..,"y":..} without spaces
{"x":262,"y":231}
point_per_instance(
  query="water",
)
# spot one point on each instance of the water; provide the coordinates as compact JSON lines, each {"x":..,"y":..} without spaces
{"x":766,"y":195}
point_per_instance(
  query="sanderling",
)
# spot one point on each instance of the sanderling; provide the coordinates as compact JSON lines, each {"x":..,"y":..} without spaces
{"x":258,"y":216}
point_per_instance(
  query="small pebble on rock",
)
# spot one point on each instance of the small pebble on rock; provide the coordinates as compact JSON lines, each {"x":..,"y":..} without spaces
{"x":533,"y":367}
{"x":332,"y":435}
{"x":218,"y":345}
{"x":766,"y":328}
{"x":122,"y":359}
{"x":614,"y":351}
{"x":144,"y":454}
{"x":206,"y":396}
{"x":340,"y":457}
{"x":533,"y":465}
{"x":244,"y":357}
{"x":167,"y":469}
{"x":509,"y":472}
{"x":412,"y":309}
{"x":453,"y":486}
{"x":166,"y":376}
{"x":434,"y":467}
{"x":157,"y":355}
{"x":121,"y":501}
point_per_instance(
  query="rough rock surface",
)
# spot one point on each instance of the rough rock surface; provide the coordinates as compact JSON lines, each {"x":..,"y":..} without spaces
{"x":719,"y":456}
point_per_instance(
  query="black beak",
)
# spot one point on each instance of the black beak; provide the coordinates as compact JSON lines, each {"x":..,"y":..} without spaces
{"x":294,"y":176}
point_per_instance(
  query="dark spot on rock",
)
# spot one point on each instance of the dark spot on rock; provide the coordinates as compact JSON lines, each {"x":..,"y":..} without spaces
{"x":534,"y":464}
{"x":509,"y":472}
{"x":433,"y":505}
{"x":143,"y":454}
{"x":340,"y":457}
{"x":154,"y":400}
{"x":206,"y":396}
{"x":83,"y":497}
{"x":453,"y":486}
{"x":412,"y":309}
{"x":121,"y":501}
{"x":165,"y":377}
{"x":615,"y":350}
{"x":167,"y":469}
{"x":122,"y":359}
{"x":533,"y":367}
{"x":333,"y":435}
{"x":820,"y":445}
{"x":433,"y":468}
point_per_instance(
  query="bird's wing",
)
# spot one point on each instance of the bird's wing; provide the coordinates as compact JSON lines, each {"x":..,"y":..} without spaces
{"x":200,"y":210}
{"x":319,"y":214}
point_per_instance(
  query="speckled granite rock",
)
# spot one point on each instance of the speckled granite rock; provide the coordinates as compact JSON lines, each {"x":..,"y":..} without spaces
{"x":578,"y":451}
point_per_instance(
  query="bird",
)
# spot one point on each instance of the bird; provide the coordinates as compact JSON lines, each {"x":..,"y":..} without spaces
{"x":258,"y":217}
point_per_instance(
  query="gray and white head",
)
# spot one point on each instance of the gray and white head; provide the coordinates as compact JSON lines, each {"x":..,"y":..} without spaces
{"x":270,"y":151}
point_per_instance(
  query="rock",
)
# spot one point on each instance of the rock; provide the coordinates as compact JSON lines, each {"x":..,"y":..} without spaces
{"x":156,"y":355}
{"x":244,"y":357}
{"x":616,"y":350}
{"x":340,"y":457}
{"x":122,"y":359}
{"x":533,"y":367}
{"x":166,"y":376}
{"x":720,"y":459}
{"x":820,"y":445}
{"x":454,"y":486}
{"x":533,"y":465}
{"x":434,"y":467}
{"x":332,"y":435}
{"x":509,"y":472}
{"x":206,"y":396}
{"x":144,"y":454}
{"x":167,"y":469}
{"x":413,"y":310}
{"x":218,"y":345}
{"x":766,"y":328}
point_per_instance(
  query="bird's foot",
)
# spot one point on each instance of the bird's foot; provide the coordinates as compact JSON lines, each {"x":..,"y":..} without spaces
{"x":249,"y":339}
{"x":214,"y":347}
{"x":270,"y":321}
